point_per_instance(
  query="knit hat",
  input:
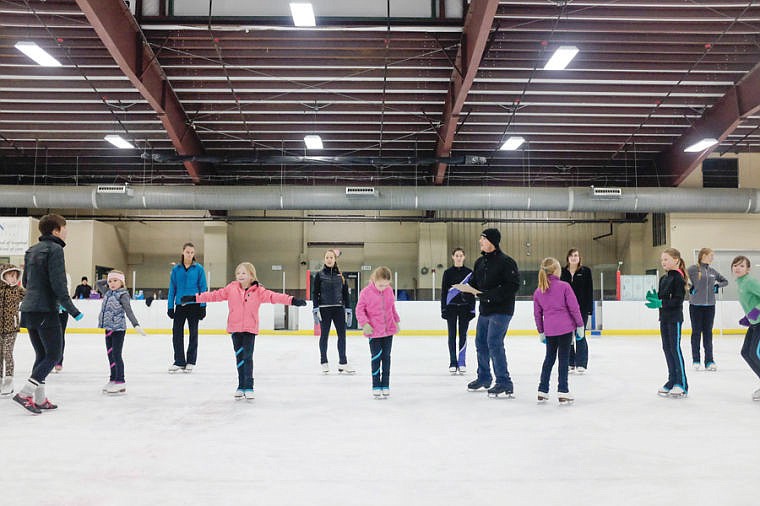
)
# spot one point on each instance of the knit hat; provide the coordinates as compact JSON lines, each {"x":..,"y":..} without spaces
{"x":493,"y":236}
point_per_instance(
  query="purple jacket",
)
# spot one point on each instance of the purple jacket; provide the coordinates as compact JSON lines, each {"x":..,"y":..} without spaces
{"x":556,"y":310}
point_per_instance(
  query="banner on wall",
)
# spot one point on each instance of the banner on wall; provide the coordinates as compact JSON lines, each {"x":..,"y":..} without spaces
{"x":14,"y":236}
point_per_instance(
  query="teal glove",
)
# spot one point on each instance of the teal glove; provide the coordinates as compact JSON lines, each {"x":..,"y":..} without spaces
{"x":653,"y":301}
{"x":580,"y":333}
{"x":79,"y":316}
{"x":542,"y":338}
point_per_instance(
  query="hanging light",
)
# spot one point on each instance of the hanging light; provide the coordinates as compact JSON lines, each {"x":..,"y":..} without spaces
{"x":701,"y":145}
{"x":303,"y":14}
{"x":119,"y":141}
{"x":561,"y":58}
{"x":512,"y":143}
{"x":36,"y":53}
{"x":313,"y":142}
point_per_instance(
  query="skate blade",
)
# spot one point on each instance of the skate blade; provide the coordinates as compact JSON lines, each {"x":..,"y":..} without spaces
{"x":677,"y":396}
{"x":115,"y":394}
{"x":346,"y":372}
{"x":566,"y":402}
{"x":501,"y":396}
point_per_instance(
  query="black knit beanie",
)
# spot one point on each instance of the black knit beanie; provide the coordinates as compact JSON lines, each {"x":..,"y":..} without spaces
{"x":493,"y":236}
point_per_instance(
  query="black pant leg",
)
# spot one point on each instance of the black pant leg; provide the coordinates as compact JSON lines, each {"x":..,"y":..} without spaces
{"x":751,"y":348}
{"x":178,"y":335}
{"x":63,"y":317}
{"x":47,"y":348}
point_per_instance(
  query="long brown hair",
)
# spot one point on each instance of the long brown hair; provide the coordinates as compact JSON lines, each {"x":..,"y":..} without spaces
{"x":567,"y":257}
{"x":675,"y":254}
{"x":182,"y":257}
{"x":702,"y":253}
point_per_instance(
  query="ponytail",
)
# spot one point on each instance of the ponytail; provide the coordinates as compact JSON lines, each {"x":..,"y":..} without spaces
{"x":549,"y":266}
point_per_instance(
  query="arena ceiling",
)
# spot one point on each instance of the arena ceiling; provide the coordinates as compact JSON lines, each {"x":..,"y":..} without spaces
{"x":398,"y":97}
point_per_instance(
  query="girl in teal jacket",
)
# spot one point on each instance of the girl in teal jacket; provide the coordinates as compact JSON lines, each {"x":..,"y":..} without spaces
{"x":749,"y":298}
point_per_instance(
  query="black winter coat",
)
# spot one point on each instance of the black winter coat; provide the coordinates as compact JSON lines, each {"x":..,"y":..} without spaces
{"x":452,"y":276}
{"x":45,"y":278}
{"x":583,"y":287}
{"x":672,"y":292}
{"x":329,"y":288}
{"x":497,"y":277}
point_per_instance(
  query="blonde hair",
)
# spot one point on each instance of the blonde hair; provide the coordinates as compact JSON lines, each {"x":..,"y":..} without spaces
{"x":381,"y":272}
{"x":115,"y":271}
{"x":676,"y":255}
{"x":549,"y":266}
{"x":248,"y":266}
{"x":702,"y":253}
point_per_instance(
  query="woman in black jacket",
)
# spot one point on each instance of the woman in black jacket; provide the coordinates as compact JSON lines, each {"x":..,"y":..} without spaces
{"x":457,"y":309}
{"x":331,"y":305}
{"x":580,"y":278}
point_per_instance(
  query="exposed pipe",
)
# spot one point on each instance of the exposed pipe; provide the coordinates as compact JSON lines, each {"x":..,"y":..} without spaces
{"x":636,"y":200}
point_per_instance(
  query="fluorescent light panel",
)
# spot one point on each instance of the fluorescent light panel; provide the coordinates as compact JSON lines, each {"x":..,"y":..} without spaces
{"x":512,"y":143}
{"x":313,"y":141}
{"x":561,"y":58}
{"x":119,"y":141}
{"x":303,"y":14}
{"x":705,"y":143}
{"x":36,"y":53}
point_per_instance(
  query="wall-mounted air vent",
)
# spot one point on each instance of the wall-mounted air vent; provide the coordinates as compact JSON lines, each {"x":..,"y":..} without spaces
{"x":360,"y":191}
{"x":114,"y":189}
{"x":606,"y":193}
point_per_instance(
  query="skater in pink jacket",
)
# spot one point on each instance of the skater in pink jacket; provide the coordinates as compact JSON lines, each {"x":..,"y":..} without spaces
{"x":377,"y":316}
{"x":244,"y":296}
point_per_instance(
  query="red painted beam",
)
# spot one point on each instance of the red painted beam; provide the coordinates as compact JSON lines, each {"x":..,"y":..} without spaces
{"x":117,"y":28}
{"x":719,"y":121}
{"x":477,"y":26}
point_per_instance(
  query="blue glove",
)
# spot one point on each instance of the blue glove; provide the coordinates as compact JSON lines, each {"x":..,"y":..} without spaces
{"x":542,"y":338}
{"x":79,"y":316}
{"x":349,"y":317}
{"x":317,"y":316}
{"x":754,"y":314}
{"x":744,"y":322}
{"x":580,"y":333}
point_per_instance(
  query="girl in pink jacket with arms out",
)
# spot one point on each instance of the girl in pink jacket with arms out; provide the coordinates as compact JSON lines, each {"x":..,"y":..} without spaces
{"x":377,"y":316}
{"x":558,"y":320}
{"x":244,"y":296}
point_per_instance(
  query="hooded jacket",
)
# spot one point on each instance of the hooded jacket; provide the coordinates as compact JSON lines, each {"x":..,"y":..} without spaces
{"x":378,"y":309}
{"x":45,"y":278}
{"x":10,"y":299}
{"x":244,"y":304}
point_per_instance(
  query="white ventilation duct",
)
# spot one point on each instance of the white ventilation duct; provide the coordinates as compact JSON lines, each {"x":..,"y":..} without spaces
{"x":635,"y":200}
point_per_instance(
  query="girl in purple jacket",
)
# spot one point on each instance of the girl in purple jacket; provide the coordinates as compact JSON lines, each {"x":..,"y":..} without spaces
{"x":558,"y":320}
{"x":377,"y":316}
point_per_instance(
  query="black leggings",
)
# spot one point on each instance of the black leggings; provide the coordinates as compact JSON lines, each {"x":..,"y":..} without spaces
{"x":114,"y":348}
{"x":458,"y":318}
{"x":330,"y":315}
{"x":751,"y":348}
{"x":191,"y":314}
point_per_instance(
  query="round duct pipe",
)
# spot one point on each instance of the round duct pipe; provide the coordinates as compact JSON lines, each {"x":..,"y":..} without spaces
{"x":634,"y":200}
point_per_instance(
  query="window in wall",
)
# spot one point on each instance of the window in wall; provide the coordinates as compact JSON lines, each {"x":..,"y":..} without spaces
{"x":720,"y":173}
{"x":659,"y":232}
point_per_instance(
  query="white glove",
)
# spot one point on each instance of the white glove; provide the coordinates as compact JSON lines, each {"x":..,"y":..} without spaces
{"x":580,"y":333}
{"x":398,"y":326}
{"x":367,"y":329}
{"x":542,"y":338}
{"x":140,"y":330}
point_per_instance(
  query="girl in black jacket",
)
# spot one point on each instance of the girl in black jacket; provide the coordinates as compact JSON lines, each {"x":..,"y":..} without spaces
{"x":580,"y":279}
{"x":331,"y":305}
{"x":457,"y":309}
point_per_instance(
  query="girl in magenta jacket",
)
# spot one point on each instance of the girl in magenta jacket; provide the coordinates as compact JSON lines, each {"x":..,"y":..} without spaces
{"x":244,"y":296}
{"x":377,"y":316}
{"x":558,"y":320}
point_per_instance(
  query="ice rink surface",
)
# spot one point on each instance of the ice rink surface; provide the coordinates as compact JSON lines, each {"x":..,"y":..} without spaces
{"x":313,"y":439}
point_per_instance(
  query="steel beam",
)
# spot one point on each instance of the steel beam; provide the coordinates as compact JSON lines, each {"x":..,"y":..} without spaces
{"x":477,"y":27}
{"x":117,"y":28}
{"x":740,"y":102}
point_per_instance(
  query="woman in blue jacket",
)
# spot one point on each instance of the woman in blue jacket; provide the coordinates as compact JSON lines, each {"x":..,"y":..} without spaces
{"x":187,"y":278}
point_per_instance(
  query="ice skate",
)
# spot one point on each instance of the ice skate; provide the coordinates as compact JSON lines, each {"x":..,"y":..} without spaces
{"x":46,"y":405}
{"x":477,"y":386}
{"x":189,"y":368}
{"x":7,"y":386}
{"x":756,"y":395}
{"x":116,"y":388}
{"x":175,"y":368}
{"x":462,"y":370}
{"x":105,"y":387}
{"x":239,"y":394}
{"x":542,"y":397}
{"x":346,"y":368}
{"x":500,"y":391}
{"x":565,"y":398}
{"x":711,"y":367}
{"x":452,"y":370}
{"x":663,"y":391}
{"x":377,"y":393}
{"x":27,"y":403}
{"x":571,"y":369}
{"x":325,"y":368}
{"x":696,"y":366}
{"x":580,"y":370}
{"x":677,"y":392}
{"x":248,"y":394}
{"x":58,"y":368}
{"x":386,"y":392}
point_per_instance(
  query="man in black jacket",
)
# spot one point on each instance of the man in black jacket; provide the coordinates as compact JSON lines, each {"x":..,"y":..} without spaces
{"x":45,"y":281}
{"x":495,"y":281}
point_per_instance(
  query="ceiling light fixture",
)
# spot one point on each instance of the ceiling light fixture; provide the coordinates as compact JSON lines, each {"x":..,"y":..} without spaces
{"x":512,"y":143}
{"x":313,"y":141}
{"x":561,"y":58}
{"x":303,"y":14}
{"x":119,"y":141}
{"x":36,"y":53}
{"x":705,"y":143}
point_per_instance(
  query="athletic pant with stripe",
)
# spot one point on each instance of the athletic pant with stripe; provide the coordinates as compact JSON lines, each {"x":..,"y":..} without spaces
{"x":242,"y":343}
{"x":380,"y":348}
{"x":671,"y":345}
{"x":114,"y":348}
{"x":751,"y":348}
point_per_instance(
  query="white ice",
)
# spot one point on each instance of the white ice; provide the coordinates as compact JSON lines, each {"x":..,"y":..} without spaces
{"x":310,"y":439}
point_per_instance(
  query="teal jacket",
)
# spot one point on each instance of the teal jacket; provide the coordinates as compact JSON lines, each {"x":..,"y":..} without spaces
{"x":190,"y":281}
{"x":749,"y":294}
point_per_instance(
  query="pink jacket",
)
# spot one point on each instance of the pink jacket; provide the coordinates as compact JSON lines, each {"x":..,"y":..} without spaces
{"x":244,"y":304}
{"x":378,"y":309}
